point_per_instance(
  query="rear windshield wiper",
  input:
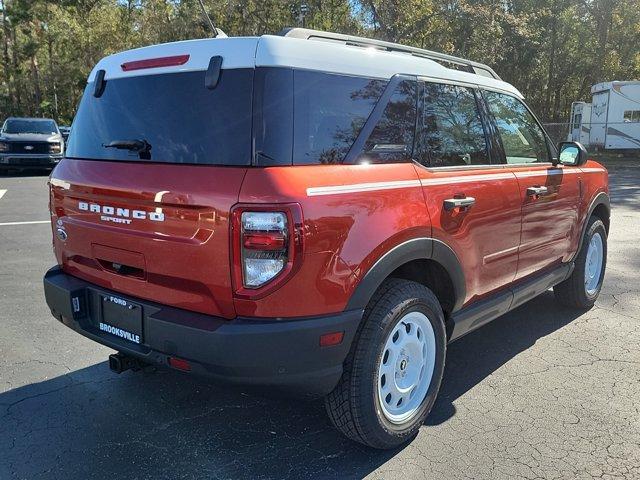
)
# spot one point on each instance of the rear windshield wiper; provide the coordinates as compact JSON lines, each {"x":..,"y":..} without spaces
{"x":133,"y":145}
{"x":142,"y":147}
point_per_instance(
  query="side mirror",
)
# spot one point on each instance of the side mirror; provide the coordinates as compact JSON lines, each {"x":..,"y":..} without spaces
{"x":572,"y":154}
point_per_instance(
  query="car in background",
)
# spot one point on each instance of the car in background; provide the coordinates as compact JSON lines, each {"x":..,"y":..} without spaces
{"x":30,"y":144}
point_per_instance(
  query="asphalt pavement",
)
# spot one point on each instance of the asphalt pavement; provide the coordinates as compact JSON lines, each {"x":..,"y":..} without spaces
{"x":542,"y":392}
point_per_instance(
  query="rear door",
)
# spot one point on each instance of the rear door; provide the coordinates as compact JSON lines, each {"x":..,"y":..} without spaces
{"x":599,"y":118}
{"x":473,"y":201}
{"x":549,"y":195}
{"x":576,"y":122}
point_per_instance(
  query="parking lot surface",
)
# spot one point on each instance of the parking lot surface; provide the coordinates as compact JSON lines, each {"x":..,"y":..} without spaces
{"x":542,"y":392}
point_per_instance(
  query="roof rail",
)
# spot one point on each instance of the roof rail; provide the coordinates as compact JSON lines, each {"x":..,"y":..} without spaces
{"x":442,"y":58}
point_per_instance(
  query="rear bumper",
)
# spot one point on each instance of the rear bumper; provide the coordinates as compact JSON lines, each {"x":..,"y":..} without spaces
{"x":282,"y":354}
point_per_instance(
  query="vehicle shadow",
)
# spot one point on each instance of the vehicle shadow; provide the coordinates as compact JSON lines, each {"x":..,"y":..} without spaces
{"x":476,"y":356}
{"x":92,"y":423}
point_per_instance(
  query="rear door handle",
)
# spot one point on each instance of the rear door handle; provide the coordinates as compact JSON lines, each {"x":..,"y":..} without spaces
{"x":537,"y":191}
{"x":452,"y":203}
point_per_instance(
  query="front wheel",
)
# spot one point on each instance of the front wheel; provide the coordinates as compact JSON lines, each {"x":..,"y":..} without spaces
{"x":393,"y":373}
{"x":582,"y":288}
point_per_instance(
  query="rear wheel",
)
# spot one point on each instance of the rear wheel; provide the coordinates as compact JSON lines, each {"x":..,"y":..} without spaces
{"x":582,"y":288}
{"x":393,"y":373}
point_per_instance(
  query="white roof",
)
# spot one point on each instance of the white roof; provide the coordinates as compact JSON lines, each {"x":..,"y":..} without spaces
{"x":599,"y":87}
{"x":279,"y":51}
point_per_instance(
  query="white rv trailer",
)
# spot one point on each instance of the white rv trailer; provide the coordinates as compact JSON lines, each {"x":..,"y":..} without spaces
{"x":615,"y":115}
{"x":580,"y":123}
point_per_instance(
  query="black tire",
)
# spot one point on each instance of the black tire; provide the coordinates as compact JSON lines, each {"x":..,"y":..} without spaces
{"x":573,"y":292}
{"x":354,"y":406}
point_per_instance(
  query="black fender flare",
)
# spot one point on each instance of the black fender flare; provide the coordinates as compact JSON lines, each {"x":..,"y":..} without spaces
{"x":414,"y":249}
{"x":601,"y":198}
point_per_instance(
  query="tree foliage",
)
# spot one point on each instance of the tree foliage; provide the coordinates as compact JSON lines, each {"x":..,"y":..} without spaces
{"x":552,"y":50}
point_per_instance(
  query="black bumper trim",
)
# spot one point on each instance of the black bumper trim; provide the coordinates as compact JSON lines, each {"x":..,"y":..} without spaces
{"x":284,"y":354}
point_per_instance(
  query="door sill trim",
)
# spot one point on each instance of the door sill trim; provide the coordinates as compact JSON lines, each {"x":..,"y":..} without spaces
{"x":482,"y":312}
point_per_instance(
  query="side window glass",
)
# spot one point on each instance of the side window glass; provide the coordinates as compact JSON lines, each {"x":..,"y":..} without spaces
{"x":392,"y":138}
{"x":577,"y":120}
{"x":329,"y":112}
{"x":632,"y":116}
{"x":451,"y":131}
{"x":522,"y":138}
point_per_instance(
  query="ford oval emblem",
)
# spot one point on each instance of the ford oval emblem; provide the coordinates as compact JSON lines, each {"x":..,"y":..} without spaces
{"x":61,"y":233}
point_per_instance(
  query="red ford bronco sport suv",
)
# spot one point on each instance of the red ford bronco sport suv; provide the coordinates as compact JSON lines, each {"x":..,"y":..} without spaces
{"x":314,"y":212}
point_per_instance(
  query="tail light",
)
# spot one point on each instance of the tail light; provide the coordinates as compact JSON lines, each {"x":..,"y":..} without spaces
{"x":267,"y":247}
{"x":155,"y":63}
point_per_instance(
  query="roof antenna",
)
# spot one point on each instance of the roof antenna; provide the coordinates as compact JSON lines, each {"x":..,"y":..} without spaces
{"x":209,"y":21}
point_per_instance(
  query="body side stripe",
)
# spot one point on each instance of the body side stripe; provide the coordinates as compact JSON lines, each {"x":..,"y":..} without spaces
{"x":374,"y":186}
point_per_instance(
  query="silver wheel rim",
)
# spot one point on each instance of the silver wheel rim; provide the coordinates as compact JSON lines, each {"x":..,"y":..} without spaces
{"x":593,"y":264}
{"x":406,"y":368}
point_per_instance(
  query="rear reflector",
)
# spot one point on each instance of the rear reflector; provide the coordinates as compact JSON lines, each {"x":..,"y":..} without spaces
{"x":155,"y":63}
{"x":329,"y":339}
{"x":180,"y":364}
{"x":264,"y":241}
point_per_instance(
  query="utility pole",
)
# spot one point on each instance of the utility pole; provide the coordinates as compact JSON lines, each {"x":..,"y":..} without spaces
{"x":302,"y":14}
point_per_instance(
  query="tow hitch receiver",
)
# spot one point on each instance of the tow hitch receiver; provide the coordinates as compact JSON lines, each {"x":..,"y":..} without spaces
{"x":119,"y":362}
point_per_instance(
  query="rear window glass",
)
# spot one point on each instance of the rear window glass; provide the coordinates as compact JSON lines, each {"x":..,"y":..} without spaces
{"x":392,"y":138}
{"x":330,"y":110}
{"x":180,"y":120}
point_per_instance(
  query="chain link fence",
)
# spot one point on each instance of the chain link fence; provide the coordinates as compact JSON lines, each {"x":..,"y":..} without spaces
{"x":559,"y":132}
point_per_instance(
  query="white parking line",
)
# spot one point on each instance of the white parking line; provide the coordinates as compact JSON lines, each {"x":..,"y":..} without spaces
{"x":2,"y":192}
{"x":35,"y":222}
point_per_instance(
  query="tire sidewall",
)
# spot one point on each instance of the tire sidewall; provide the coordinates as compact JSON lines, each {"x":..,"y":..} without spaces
{"x":373,"y":358}
{"x":595,"y":227}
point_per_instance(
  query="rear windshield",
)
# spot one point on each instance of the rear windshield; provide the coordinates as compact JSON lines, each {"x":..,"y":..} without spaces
{"x":170,"y":118}
{"x":30,"y":126}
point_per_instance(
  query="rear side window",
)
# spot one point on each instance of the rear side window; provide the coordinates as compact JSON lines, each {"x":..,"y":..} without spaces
{"x":273,"y":115}
{"x":451,"y":132}
{"x":180,"y":120}
{"x":392,"y":138}
{"x":522,"y":138}
{"x":329,"y":112}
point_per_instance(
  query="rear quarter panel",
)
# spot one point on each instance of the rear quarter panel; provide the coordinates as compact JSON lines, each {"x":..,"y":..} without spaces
{"x":595,"y":180}
{"x":345,"y":231}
